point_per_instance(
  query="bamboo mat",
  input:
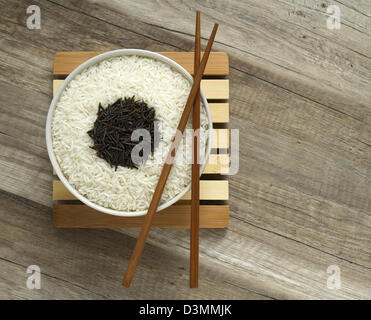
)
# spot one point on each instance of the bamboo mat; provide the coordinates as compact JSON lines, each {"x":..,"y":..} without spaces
{"x":68,"y":212}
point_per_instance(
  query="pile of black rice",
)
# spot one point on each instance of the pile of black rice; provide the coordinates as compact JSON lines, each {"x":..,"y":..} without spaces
{"x":114,"y":126}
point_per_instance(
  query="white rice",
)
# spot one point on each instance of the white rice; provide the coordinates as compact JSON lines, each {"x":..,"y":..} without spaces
{"x":149,"y":80}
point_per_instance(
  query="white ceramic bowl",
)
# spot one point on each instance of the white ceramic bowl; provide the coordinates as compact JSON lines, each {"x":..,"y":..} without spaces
{"x":80,"y":68}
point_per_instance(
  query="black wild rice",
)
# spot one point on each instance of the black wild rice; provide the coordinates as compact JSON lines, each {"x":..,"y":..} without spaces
{"x":112,"y":130}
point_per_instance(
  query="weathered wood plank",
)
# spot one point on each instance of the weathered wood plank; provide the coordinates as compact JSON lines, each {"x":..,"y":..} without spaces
{"x":23,"y":165}
{"x":225,"y":268}
{"x":217,"y":65}
{"x":14,"y":285}
{"x":288,"y":44}
{"x":267,"y":108}
{"x":305,"y":268}
{"x":300,"y":202}
{"x":67,"y":253}
{"x":177,"y":216}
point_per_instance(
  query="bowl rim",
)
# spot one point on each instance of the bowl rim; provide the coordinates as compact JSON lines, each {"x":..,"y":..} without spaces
{"x":94,"y":60}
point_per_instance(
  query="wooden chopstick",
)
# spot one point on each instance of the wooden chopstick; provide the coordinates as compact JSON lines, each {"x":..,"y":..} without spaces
{"x":138,"y":249}
{"x":195,"y":193}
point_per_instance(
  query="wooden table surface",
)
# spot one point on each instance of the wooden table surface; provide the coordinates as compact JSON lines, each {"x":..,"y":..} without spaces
{"x":301,"y":201}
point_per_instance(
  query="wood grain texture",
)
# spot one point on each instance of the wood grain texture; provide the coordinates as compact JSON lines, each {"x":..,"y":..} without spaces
{"x":65,"y":62}
{"x":299,"y":93}
{"x":218,"y":164}
{"x":81,"y":216}
{"x":219,"y":112}
{"x":220,"y":139}
{"x":195,"y":187}
{"x":209,"y":190}
{"x":215,"y":89}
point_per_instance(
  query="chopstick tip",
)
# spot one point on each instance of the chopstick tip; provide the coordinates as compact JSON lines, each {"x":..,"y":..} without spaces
{"x":126,"y":283}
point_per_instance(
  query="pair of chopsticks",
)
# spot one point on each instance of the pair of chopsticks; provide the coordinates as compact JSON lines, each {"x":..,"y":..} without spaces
{"x":193,"y":95}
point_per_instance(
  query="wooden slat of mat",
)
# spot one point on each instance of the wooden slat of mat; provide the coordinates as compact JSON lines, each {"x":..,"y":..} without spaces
{"x":219,"y":112}
{"x":209,"y":190}
{"x":217,"y":164}
{"x":218,"y":65}
{"x":220,"y":138}
{"x":217,"y":89}
{"x":176,"y":216}
{"x":213,"y":89}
